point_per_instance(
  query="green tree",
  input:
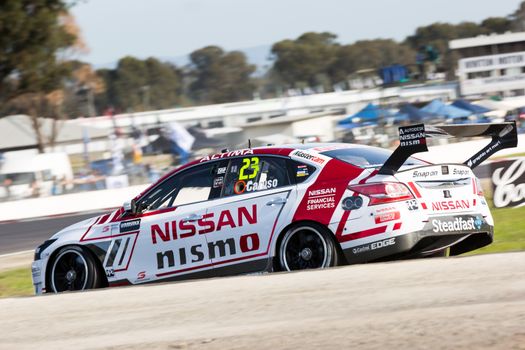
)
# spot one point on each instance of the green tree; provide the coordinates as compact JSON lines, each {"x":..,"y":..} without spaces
{"x":140,"y":85}
{"x":219,"y":77}
{"x":306,"y":59}
{"x":498,"y":25}
{"x":33,"y":35}
{"x":438,"y":35}
{"x":369,"y":54}
{"x":80,"y":89}
{"x":518,"y":18}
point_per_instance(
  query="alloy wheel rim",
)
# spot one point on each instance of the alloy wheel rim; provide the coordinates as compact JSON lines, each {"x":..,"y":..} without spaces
{"x":304,"y":248}
{"x":70,"y":272}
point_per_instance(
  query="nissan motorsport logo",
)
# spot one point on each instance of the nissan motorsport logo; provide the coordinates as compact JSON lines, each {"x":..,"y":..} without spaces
{"x":170,"y":255}
{"x":457,"y":225}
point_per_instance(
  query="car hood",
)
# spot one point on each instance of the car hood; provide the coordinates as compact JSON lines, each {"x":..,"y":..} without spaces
{"x":79,"y":227}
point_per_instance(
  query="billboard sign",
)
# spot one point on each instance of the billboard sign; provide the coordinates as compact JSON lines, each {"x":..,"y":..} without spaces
{"x":508,"y":182}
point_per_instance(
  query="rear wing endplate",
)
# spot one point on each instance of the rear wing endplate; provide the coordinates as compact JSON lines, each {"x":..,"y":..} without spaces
{"x":413,"y":139}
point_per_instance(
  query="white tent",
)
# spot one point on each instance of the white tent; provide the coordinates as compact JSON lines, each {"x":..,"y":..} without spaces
{"x":498,"y":108}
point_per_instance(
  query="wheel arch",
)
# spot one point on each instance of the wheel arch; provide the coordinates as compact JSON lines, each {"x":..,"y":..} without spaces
{"x":54,"y":254}
{"x":279,"y":238}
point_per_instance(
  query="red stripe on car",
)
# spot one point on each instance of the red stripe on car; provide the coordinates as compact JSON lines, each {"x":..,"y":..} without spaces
{"x":414,"y":189}
{"x":363,"y":234}
{"x":331,"y":183}
{"x":104,"y":218}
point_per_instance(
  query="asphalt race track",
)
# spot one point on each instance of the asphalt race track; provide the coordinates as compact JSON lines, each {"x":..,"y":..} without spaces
{"x":454,"y":303}
{"x":27,"y":235}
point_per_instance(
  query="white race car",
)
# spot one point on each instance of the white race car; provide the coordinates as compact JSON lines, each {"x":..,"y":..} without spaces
{"x":281,"y":208}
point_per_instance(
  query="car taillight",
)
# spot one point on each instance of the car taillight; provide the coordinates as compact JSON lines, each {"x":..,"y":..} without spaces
{"x":479,"y":189}
{"x":383,"y":192}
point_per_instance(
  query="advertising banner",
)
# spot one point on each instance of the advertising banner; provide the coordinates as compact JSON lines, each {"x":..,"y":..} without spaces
{"x":508,"y":182}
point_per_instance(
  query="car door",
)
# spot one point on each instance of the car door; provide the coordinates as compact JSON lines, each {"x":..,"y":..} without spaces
{"x":173,"y":225}
{"x":256,"y":196}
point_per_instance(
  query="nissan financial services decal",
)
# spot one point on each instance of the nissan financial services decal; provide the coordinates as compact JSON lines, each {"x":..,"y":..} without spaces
{"x":508,"y":182}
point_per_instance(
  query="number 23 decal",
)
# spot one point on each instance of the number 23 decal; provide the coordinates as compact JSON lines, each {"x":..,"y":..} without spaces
{"x":249,"y":163}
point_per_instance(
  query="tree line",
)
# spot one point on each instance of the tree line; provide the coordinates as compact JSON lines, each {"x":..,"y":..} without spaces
{"x":38,"y":79}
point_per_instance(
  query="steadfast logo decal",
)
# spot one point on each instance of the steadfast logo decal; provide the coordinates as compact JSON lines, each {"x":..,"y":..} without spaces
{"x":457,"y":225}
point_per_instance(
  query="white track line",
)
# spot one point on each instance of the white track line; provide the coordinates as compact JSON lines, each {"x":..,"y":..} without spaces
{"x":17,"y":253}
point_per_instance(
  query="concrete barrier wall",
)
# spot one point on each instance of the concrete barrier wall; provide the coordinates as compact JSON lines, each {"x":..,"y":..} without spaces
{"x":67,"y":204}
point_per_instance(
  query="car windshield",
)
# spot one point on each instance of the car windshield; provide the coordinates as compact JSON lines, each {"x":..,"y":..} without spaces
{"x":367,"y":157}
{"x":18,"y":178}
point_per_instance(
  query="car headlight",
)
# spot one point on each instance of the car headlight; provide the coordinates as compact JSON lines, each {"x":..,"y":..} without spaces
{"x":43,"y":247}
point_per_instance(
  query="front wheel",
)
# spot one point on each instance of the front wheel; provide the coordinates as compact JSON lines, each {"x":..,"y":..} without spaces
{"x":307,"y":246}
{"x":73,"y":269}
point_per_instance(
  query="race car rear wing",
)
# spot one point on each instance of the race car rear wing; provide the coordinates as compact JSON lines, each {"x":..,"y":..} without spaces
{"x":413,"y":139}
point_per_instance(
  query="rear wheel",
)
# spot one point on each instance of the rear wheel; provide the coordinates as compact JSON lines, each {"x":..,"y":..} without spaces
{"x":74,"y":268}
{"x":307,"y":246}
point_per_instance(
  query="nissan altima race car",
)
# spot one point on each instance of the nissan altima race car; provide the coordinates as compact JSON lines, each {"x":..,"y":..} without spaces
{"x":281,"y":208}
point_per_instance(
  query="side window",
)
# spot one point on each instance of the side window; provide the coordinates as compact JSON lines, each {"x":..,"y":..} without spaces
{"x":300,"y":172}
{"x":193,"y":185}
{"x":253,"y":174}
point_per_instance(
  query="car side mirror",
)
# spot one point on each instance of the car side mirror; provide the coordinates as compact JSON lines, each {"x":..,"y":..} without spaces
{"x":127,"y":207}
{"x":130,"y":207}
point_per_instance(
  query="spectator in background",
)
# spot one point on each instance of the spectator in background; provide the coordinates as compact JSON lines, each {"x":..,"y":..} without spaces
{"x":57,"y":187}
{"x":97,"y":180}
{"x":137,"y":160}
{"x":35,"y":189}
{"x":7,"y":185}
{"x":153,"y":174}
{"x":181,"y":141}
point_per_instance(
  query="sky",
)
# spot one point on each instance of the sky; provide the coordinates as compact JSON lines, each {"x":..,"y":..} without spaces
{"x":171,"y":28}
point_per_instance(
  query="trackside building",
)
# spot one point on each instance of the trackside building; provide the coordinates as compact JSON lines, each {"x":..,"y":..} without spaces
{"x":491,"y":65}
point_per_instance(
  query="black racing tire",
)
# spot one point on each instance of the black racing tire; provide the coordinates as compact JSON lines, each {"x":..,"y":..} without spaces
{"x":73,"y":268}
{"x":307,"y":246}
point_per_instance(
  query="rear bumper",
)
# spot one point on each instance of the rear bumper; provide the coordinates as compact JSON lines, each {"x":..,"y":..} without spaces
{"x":424,"y":242}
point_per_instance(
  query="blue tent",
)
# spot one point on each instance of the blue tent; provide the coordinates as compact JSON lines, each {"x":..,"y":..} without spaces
{"x":370,"y":113}
{"x":470,"y":107}
{"x":357,"y":125}
{"x":437,"y":107}
{"x":414,"y":114}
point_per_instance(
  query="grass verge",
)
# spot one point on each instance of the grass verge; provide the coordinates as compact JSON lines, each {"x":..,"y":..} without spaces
{"x":16,"y":283}
{"x":509,"y":234}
